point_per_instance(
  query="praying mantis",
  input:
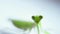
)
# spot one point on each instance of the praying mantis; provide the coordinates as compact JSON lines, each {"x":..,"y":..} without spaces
{"x":24,"y":25}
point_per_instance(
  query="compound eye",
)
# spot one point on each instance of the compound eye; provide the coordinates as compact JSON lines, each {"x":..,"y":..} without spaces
{"x":40,"y":17}
{"x":33,"y":17}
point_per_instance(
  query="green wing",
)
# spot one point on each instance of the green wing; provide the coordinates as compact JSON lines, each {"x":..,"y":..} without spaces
{"x":23,"y":24}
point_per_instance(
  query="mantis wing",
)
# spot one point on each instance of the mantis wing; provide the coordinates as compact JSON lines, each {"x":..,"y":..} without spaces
{"x":23,"y":24}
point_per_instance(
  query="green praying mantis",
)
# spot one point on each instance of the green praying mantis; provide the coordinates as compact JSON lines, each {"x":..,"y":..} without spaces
{"x":24,"y":25}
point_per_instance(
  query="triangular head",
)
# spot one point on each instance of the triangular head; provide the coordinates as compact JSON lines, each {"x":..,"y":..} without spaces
{"x":37,"y":18}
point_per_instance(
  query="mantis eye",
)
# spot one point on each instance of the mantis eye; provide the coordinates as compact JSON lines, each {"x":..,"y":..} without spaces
{"x":33,"y":17}
{"x":40,"y":17}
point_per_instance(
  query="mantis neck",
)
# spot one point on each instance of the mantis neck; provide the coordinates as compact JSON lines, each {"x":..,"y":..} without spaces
{"x":38,"y":29}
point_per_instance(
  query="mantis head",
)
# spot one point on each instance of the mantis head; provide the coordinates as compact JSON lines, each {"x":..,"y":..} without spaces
{"x":37,"y":18}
